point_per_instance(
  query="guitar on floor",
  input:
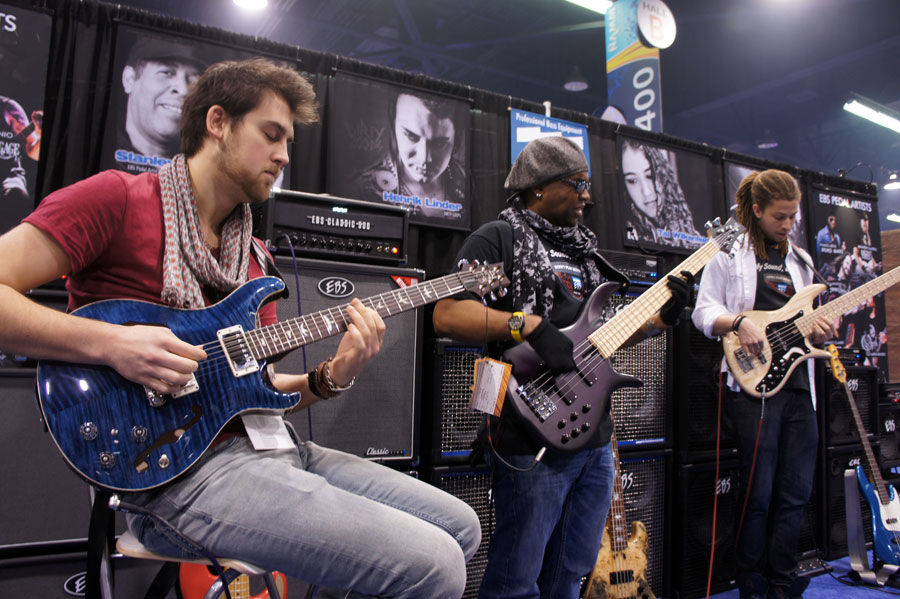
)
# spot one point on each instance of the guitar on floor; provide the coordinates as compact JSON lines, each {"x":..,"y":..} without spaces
{"x":581,"y":397}
{"x":621,"y":568}
{"x":126,"y":437}
{"x":196,"y":579}
{"x":786,"y":329}
{"x":882,"y":498}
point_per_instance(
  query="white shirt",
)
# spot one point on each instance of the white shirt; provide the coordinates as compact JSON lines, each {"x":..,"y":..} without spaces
{"x":728,"y":286}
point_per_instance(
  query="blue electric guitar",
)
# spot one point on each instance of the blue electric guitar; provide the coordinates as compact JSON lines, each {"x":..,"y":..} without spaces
{"x":125,"y":437}
{"x":882,"y":498}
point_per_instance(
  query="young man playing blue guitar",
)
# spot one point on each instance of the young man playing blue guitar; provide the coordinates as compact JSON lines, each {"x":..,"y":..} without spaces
{"x":182,"y":238}
{"x":551,"y":513}
{"x":763,"y":273}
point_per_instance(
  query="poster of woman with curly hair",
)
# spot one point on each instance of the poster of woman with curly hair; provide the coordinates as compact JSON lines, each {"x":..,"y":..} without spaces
{"x":658,"y":212}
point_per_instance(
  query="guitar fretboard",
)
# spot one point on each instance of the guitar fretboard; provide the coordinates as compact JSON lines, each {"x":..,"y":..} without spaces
{"x":618,"y":522}
{"x":842,"y":304}
{"x":284,"y":336}
{"x":618,"y":329}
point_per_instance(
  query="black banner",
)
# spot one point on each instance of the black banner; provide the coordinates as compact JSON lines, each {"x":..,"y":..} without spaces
{"x":24,"y":51}
{"x":399,"y":146}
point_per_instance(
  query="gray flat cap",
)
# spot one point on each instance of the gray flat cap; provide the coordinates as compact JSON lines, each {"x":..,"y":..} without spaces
{"x":545,"y":159}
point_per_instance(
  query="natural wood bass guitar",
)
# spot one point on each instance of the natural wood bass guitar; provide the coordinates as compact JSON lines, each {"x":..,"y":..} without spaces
{"x":786,"y":330}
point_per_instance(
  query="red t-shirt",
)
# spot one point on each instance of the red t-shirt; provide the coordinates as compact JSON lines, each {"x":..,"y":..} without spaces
{"x":111,"y":227}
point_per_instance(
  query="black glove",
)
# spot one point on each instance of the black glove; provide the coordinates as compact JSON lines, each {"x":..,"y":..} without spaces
{"x":554,"y":347}
{"x":681,"y":295}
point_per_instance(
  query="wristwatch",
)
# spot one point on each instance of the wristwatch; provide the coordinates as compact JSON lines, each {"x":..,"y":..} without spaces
{"x":515,"y":324}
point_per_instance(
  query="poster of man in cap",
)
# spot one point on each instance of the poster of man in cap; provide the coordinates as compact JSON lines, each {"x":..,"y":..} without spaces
{"x":153,"y":72}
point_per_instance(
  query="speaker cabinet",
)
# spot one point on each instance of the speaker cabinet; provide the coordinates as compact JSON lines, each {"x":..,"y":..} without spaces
{"x":645,"y":486}
{"x":697,"y":489}
{"x":44,"y":502}
{"x":697,"y":365}
{"x":833,"y":508}
{"x":378,"y":417}
{"x":838,"y":425}
{"x":641,"y":413}
{"x":474,"y":487}
{"x":889,"y":434}
{"x":449,"y":375}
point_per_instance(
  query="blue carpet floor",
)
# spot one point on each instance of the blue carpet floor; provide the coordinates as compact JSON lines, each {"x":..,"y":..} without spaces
{"x":833,"y":585}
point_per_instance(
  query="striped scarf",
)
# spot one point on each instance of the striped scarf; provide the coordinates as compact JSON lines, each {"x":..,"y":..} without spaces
{"x":188,"y":263}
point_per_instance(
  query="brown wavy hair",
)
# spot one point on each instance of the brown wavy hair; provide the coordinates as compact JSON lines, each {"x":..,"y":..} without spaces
{"x":238,"y":86}
{"x":762,"y":189}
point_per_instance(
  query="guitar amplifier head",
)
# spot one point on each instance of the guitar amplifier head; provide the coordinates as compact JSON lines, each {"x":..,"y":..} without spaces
{"x":332,"y":228}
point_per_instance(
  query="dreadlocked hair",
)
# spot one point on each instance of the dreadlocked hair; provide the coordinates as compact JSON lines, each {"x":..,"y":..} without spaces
{"x":762,"y":189}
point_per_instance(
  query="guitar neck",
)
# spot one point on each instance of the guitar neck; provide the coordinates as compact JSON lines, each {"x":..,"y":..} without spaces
{"x":871,"y":463}
{"x":618,"y":329}
{"x":287,"y":335}
{"x":618,"y":523}
{"x":842,"y":304}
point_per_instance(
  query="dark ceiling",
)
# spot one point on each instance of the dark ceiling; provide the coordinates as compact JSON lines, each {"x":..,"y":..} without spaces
{"x":739,"y":70}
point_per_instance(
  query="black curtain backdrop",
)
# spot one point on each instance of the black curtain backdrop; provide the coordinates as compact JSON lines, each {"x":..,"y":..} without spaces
{"x":79,"y":84}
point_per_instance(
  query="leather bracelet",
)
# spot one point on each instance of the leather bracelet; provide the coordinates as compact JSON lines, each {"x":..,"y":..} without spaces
{"x":737,"y":322}
{"x":312,"y":377}
{"x":330,"y":386}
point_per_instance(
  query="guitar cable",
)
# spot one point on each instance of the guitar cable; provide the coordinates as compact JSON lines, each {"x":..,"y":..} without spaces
{"x":299,"y":313}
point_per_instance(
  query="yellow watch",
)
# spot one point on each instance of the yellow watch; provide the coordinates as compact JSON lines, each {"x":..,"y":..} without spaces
{"x":515,"y":324}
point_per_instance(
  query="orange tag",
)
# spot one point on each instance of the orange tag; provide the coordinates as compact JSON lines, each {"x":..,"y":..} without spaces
{"x":489,"y":390}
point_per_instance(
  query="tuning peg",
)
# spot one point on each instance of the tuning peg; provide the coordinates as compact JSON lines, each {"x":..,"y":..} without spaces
{"x":493,"y":296}
{"x":462,"y":264}
{"x":502,"y":292}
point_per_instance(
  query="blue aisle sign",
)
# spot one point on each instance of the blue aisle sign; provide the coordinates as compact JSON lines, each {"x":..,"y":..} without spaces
{"x":635,"y":31}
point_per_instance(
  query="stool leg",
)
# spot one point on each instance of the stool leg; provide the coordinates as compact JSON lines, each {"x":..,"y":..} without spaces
{"x":218,"y":587}
{"x":272,"y":586}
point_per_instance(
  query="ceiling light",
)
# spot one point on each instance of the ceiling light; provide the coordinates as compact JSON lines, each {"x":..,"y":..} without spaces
{"x":576,"y":82}
{"x":767,"y":142}
{"x":893,"y":182}
{"x":252,"y":4}
{"x":893,"y":217}
{"x":873,"y":111}
{"x":600,"y":6}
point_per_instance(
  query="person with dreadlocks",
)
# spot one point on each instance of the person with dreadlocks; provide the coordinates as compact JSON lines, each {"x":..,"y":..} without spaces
{"x":182,"y":238}
{"x":762,"y":273}
{"x":550,"y":513}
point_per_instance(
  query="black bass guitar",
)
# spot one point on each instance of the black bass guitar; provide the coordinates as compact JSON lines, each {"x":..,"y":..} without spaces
{"x":562,"y":412}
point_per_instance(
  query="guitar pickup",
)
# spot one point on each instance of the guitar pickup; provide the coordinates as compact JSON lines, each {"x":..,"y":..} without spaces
{"x":744,"y":361}
{"x":237,"y":351}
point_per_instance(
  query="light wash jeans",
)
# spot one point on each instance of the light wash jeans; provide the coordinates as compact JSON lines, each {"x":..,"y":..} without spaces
{"x":319,"y":515}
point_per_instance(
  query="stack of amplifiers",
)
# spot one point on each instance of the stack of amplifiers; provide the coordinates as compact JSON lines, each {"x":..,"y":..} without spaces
{"x":474,"y":487}
{"x":641,"y":413}
{"x":451,"y":373}
{"x":378,"y":417}
{"x":332,"y":228}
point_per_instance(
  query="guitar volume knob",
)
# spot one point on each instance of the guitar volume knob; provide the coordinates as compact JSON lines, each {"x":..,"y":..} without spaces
{"x":88,"y":431}
{"x":107,"y":460}
{"x":139,"y":433}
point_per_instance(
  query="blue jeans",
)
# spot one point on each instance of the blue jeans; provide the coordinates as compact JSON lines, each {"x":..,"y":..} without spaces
{"x":321,"y":516}
{"x":549,"y":524}
{"x":782,"y":481}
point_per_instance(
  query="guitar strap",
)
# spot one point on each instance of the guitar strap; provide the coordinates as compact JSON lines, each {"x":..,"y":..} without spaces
{"x":803,"y":259}
{"x":267,"y":264}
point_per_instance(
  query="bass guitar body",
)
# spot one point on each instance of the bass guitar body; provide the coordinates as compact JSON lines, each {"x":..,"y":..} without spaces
{"x":885,"y":519}
{"x":621,"y":574}
{"x":563,"y":412}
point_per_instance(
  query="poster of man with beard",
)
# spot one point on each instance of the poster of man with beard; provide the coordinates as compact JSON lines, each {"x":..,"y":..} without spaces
{"x":24,"y":51}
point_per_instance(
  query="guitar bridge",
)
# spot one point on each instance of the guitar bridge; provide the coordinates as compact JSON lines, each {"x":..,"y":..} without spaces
{"x":237,"y":351}
{"x":744,"y":361}
{"x":542,"y":406}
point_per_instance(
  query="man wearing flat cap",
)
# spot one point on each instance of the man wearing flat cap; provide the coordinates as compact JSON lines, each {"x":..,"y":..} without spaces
{"x":156,"y":78}
{"x":550,"y":512}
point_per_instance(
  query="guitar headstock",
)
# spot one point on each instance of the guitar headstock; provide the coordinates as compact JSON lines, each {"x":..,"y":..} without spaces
{"x":724,"y":235}
{"x":484,"y":279}
{"x":837,"y":368}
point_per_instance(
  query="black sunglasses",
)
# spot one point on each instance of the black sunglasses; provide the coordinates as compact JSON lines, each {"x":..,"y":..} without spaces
{"x":580,"y":185}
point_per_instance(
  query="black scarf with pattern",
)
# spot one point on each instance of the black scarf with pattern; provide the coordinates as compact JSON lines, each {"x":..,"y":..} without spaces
{"x":533,"y":280}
